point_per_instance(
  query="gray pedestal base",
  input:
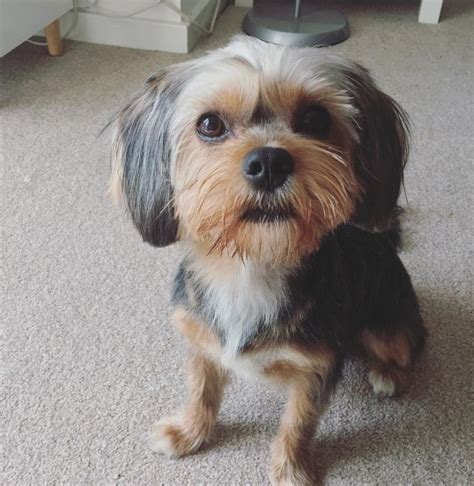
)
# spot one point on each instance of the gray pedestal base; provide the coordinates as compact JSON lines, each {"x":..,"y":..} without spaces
{"x":273,"y":21}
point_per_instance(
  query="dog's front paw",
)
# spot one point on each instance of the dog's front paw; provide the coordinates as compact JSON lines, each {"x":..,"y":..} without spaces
{"x":290,"y":475}
{"x":290,"y":472}
{"x":171,"y":437}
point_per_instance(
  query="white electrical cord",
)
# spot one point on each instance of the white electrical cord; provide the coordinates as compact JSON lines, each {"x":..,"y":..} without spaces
{"x":36,"y":43}
{"x":118,"y":15}
{"x":74,"y":22}
{"x":188,"y":19}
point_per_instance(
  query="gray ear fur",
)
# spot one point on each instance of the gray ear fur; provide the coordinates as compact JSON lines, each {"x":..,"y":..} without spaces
{"x":143,"y":158}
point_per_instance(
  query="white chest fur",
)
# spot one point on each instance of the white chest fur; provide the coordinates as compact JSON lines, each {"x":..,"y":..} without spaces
{"x":242,"y":297}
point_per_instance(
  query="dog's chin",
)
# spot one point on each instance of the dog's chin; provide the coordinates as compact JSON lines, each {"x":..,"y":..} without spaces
{"x":275,"y":236}
{"x":265,"y":233}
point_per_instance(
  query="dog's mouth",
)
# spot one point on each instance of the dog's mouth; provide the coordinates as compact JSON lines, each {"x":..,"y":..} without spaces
{"x":268,"y":215}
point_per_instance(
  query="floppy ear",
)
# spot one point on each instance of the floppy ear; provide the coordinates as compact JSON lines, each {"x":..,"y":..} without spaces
{"x":381,"y":153}
{"x":142,"y":159}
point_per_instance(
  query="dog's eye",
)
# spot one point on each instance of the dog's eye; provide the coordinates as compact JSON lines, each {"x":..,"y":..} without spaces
{"x":314,"y":121}
{"x":210,"y":126}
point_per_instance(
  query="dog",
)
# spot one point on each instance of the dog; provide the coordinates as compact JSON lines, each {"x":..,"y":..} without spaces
{"x":279,"y":170}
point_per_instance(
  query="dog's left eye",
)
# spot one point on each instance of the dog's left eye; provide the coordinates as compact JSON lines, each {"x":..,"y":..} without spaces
{"x":314,"y":121}
{"x":211,"y":127}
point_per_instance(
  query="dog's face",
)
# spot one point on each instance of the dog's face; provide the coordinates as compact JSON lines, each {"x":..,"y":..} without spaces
{"x":259,"y":151}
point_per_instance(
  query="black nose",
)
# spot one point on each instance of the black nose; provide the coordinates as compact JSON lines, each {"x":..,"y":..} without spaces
{"x":267,"y":168}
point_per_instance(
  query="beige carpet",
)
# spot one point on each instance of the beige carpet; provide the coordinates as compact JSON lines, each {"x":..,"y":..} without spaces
{"x":89,"y":359}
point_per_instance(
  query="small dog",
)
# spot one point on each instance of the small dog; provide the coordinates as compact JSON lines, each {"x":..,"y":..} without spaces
{"x":279,"y":169}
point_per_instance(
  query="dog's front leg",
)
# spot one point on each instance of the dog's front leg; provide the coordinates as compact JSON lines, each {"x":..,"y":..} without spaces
{"x":291,"y":450}
{"x":185,"y":432}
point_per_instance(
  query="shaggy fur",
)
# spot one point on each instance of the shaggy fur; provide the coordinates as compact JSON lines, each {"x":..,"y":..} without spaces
{"x":279,"y":170}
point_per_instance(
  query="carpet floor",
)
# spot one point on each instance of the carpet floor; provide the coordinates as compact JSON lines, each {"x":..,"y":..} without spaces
{"x":89,"y":359}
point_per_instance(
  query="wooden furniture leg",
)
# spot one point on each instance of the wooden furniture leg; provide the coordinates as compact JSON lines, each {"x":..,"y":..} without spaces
{"x":53,"y":38}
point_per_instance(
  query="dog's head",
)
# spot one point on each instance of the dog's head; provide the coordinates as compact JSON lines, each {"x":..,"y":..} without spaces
{"x":260,"y":151}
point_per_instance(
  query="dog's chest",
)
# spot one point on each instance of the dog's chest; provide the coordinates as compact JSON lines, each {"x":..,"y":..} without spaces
{"x":244,"y":302}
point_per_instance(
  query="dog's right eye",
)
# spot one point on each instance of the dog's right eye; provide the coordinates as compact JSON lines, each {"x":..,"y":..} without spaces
{"x":210,"y":127}
{"x":314,"y":121}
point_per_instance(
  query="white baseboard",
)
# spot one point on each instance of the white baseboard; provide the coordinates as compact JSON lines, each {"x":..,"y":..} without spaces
{"x":244,"y":3}
{"x":143,"y":32}
{"x":430,"y":11}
